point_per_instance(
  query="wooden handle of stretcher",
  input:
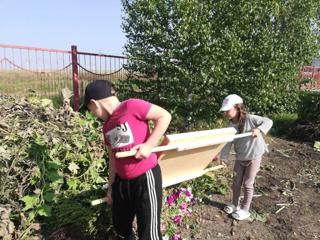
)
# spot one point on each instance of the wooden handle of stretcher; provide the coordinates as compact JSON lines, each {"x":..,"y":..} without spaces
{"x":212,"y":142}
{"x":155,"y":149}
{"x":183,"y":147}
{"x":98,"y":201}
{"x":241,"y":135}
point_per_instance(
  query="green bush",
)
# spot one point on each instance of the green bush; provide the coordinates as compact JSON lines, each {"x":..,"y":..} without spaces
{"x":309,"y":107}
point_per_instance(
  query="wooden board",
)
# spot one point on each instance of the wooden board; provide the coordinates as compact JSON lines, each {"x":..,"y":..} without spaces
{"x":189,"y":161}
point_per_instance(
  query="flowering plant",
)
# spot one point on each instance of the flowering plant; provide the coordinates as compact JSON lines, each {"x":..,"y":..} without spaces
{"x":177,"y":212}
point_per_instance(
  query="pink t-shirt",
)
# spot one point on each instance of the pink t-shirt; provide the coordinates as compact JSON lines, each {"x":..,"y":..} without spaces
{"x":125,"y":128}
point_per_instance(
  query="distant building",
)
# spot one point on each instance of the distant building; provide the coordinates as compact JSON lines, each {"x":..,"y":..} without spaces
{"x":316,"y":62}
{"x":311,"y":72}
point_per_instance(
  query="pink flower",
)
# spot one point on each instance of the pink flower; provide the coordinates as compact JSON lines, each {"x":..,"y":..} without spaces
{"x":189,"y":214}
{"x":177,"y":194}
{"x":183,"y":206}
{"x":188,"y":193}
{"x":171,"y":199}
{"x":176,"y":237}
{"x":177,"y":219}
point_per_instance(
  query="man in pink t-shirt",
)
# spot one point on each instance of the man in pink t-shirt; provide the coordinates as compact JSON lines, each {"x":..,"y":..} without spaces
{"x":136,"y":184}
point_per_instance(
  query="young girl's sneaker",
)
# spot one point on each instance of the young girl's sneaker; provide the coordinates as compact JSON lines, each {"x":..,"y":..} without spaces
{"x":241,"y":214}
{"x":231,"y":208}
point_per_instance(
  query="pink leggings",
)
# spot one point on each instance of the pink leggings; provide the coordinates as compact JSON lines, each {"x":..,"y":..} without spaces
{"x":244,"y":174}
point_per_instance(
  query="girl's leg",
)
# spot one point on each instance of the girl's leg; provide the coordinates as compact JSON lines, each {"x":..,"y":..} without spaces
{"x":149,"y":205}
{"x":248,"y":181}
{"x":238,"y":172}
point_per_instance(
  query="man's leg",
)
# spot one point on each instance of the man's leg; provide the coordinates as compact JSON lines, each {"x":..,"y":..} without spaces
{"x":149,"y":205}
{"x":122,"y":211}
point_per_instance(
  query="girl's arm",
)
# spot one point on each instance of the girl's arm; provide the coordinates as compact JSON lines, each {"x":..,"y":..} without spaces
{"x":262,"y":123}
{"x":224,"y":155}
{"x":161,"y":119}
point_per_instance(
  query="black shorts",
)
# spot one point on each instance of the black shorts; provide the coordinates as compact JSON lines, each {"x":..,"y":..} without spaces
{"x":140,"y":197}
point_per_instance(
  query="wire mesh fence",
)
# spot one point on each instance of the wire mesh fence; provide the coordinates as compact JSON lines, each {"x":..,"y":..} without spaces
{"x":45,"y":72}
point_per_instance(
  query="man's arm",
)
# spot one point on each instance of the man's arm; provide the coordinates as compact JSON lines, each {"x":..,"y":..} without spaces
{"x":161,"y":119}
{"x":111,"y":173}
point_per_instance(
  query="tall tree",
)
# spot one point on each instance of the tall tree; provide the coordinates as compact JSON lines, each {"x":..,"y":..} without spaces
{"x":203,"y":50}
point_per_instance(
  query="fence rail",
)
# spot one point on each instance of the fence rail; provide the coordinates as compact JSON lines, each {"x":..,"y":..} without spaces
{"x":46,"y":71}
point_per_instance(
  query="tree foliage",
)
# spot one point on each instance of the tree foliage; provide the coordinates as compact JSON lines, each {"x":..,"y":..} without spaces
{"x":200,"y":51}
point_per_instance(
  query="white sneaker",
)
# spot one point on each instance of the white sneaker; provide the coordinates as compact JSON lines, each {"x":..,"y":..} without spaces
{"x":241,"y":214}
{"x":231,"y":208}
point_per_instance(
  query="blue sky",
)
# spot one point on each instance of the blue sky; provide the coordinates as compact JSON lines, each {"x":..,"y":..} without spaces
{"x":94,"y":26}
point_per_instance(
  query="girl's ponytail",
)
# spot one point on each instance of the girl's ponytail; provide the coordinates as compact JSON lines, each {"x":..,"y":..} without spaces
{"x":242,"y":116}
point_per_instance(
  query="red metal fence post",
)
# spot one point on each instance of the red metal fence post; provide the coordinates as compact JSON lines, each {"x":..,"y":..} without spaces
{"x":75,"y":77}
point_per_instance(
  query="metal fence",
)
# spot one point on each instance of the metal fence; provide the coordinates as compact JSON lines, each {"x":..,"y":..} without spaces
{"x":45,"y":72}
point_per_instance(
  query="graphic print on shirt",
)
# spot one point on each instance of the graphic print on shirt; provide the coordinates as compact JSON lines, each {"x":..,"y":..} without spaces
{"x":120,"y":136}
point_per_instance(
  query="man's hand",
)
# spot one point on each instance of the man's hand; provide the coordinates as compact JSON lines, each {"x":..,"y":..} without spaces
{"x":109,"y":195}
{"x":143,"y":150}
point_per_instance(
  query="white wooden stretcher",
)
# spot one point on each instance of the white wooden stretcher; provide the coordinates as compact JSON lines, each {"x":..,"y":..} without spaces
{"x":185,"y":156}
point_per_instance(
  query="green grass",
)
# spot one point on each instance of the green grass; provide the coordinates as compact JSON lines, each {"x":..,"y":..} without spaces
{"x":283,"y":123}
{"x":18,"y":83}
{"x":46,"y":84}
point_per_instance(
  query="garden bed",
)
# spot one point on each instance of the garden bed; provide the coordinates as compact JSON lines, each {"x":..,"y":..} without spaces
{"x":288,"y":203}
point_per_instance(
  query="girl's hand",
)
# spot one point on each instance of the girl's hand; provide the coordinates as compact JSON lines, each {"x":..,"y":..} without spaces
{"x":143,"y":150}
{"x":255,"y":132}
{"x":109,"y":195}
{"x":215,"y":158}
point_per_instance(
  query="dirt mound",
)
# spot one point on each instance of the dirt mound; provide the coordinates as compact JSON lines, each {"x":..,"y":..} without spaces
{"x":306,"y":131}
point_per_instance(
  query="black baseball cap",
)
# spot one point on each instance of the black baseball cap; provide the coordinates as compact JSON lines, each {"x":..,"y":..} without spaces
{"x":97,"y":90}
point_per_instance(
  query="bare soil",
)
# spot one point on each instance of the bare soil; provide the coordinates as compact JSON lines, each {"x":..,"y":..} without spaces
{"x":289,"y":203}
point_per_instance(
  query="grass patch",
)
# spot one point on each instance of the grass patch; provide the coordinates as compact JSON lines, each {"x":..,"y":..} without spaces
{"x":283,"y":124}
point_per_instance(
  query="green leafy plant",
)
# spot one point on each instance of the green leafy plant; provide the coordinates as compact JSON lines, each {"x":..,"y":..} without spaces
{"x":309,"y":107}
{"x":206,"y":185}
{"x":52,"y":164}
{"x":317,"y":146}
{"x":256,"y":216}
